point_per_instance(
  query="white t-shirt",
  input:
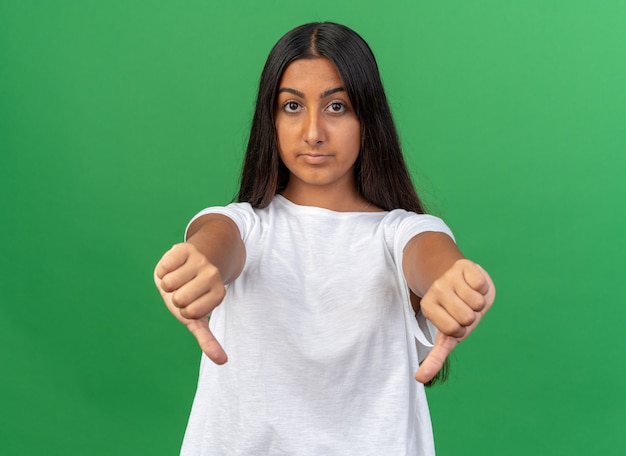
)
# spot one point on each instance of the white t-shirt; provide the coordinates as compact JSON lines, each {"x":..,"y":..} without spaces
{"x":321,"y":338}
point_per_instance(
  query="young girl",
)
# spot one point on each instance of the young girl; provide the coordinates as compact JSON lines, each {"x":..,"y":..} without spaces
{"x":326,"y":283}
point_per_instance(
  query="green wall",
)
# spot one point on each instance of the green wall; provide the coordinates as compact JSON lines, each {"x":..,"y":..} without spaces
{"x":119,"y":120}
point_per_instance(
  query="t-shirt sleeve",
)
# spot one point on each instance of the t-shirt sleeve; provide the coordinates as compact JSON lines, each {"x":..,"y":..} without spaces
{"x":241,"y":213}
{"x":405,"y":227}
{"x":411,"y":225}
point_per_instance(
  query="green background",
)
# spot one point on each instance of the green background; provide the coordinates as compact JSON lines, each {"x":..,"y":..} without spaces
{"x":119,"y":120}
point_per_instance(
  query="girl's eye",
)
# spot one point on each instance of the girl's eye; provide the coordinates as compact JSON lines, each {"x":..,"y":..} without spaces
{"x":291,"y":106}
{"x":336,"y":107}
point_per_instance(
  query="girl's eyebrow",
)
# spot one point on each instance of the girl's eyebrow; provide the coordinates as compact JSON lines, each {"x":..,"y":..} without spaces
{"x":301,"y":95}
{"x":331,"y":91}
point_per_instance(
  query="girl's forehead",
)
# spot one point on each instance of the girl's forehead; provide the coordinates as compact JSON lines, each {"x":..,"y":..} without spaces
{"x":315,"y":71}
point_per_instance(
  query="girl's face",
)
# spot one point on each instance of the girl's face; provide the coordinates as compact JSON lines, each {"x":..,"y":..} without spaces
{"x":318,"y":132}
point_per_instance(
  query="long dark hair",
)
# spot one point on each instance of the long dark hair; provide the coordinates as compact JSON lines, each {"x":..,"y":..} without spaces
{"x":381,"y":173}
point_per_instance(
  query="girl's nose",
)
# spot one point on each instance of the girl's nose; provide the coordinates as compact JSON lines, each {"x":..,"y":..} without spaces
{"x":313,"y":129}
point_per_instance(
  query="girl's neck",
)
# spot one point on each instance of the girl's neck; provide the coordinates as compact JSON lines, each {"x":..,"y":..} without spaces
{"x":338,"y":201}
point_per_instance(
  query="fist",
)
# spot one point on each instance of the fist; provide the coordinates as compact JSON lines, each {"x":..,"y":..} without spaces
{"x":192,"y":285}
{"x":456,"y":301}
{"x":455,"y":304}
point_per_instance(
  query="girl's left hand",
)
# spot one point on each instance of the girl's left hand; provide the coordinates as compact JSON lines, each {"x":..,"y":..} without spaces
{"x":455,"y":304}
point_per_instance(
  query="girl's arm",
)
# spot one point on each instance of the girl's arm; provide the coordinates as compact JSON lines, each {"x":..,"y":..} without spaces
{"x":191,"y":276}
{"x":455,"y":293}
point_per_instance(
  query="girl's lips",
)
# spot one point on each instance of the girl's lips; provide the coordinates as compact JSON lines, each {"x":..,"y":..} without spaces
{"x":315,"y":159}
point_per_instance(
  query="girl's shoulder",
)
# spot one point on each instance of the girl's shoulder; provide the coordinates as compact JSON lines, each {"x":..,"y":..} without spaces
{"x":243,"y":214}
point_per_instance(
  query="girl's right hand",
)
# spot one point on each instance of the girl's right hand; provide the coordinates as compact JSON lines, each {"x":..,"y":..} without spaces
{"x":192,"y":287}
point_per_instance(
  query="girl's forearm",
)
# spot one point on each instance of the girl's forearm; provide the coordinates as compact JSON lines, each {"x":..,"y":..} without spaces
{"x":426,"y":258}
{"x":217,"y":237}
